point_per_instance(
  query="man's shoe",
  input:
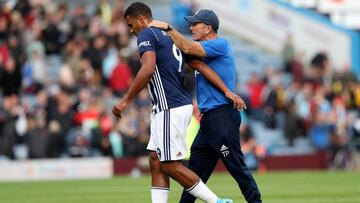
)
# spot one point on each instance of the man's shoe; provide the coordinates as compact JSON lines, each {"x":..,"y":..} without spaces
{"x":224,"y":201}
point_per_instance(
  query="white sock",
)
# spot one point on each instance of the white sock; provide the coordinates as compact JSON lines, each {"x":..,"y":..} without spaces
{"x":159,"y":194}
{"x":201,"y":191}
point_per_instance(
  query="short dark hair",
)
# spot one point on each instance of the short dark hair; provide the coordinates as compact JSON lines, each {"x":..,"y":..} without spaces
{"x":138,"y":8}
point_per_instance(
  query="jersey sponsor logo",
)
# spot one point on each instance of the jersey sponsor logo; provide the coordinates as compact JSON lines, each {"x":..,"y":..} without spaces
{"x":224,"y":150}
{"x":164,"y":33}
{"x":144,"y":44}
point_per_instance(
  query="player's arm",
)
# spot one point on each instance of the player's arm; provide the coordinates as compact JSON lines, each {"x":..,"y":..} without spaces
{"x":185,"y":45}
{"x":187,"y":68}
{"x":148,"y":62}
{"x":214,"y":78}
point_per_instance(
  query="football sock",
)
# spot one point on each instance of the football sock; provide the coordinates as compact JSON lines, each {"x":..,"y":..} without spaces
{"x":201,"y":191}
{"x":159,"y":194}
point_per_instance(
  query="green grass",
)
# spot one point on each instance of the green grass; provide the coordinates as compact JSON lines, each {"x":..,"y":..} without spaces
{"x":276,"y":187}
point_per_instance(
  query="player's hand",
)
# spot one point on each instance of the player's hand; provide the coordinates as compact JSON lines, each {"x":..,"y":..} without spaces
{"x":159,"y":24}
{"x":237,"y":100}
{"x":118,"y":108}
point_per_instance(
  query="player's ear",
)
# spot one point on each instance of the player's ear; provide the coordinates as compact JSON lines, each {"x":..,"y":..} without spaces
{"x":141,"y":18}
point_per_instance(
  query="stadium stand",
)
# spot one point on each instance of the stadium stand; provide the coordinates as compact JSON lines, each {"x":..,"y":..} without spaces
{"x":57,"y":61}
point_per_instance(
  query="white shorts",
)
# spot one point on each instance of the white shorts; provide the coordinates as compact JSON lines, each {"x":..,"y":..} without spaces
{"x":168,"y":133}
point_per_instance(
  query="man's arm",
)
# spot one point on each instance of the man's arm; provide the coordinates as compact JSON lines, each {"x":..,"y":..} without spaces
{"x":187,"y":68}
{"x":214,"y":78}
{"x":181,"y":42}
{"x":148,"y":62}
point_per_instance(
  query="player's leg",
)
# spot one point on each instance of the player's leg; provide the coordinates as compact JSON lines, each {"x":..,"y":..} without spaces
{"x":202,"y":162}
{"x":160,"y":185}
{"x":173,"y":149}
{"x":232,"y":157}
{"x":189,"y":180}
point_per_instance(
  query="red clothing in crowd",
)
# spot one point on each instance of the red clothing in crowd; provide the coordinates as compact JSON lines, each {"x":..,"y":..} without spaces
{"x":255,"y":90}
{"x":120,"y":78}
{"x":4,"y":54}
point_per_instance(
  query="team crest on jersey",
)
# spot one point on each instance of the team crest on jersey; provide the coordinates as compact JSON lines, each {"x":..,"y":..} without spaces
{"x":144,"y":44}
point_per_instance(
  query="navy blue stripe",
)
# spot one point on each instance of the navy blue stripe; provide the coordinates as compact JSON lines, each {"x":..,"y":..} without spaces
{"x":156,"y":94}
{"x":167,"y":135}
{"x":160,"y":87}
{"x":152,"y":92}
{"x":168,"y":132}
{"x":164,"y":137}
{"x":158,"y":91}
{"x":160,"y":188}
{"x":192,"y":187}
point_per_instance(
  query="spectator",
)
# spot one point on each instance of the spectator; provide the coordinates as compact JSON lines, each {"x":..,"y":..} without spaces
{"x":96,"y":54}
{"x":319,"y":68}
{"x":288,"y":51}
{"x":59,"y":119}
{"x":121,"y":77}
{"x":8,"y":114}
{"x":37,"y":137}
{"x":34,"y":72}
{"x":255,"y":87}
{"x":10,"y":78}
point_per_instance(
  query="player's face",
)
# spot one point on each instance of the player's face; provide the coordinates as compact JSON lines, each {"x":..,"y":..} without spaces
{"x":200,"y":31}
{"x":136,"y":24}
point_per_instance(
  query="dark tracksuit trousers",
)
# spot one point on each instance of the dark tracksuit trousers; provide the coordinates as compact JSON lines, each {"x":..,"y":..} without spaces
{"x":219,"y":137}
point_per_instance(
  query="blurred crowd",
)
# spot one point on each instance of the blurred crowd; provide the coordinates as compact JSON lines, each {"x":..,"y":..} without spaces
{"x":63,"y":66}
{"x":308,"y":99}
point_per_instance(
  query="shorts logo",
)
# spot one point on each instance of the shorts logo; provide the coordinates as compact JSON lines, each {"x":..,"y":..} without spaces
{"x":158,"y":152}
{"x":224,"y":150}
{"x":144,"y":44}
{"x":179,"y":154}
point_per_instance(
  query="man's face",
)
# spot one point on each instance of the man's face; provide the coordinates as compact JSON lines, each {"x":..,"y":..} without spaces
{"x":136,"y":24}
{"x":199,"y":31}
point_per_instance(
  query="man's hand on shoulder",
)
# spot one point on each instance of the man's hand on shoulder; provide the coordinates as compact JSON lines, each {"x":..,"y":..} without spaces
{"x":159,"y":24}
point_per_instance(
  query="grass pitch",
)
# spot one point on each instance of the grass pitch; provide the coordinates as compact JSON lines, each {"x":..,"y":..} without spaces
{"x":276,"y":187}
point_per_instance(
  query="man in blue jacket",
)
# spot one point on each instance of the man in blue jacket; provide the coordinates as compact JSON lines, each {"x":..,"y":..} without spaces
{"x":219,"y":135}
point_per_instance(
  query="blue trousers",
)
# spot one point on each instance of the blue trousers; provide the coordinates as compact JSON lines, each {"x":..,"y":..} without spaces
{"x":219,"y":137}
